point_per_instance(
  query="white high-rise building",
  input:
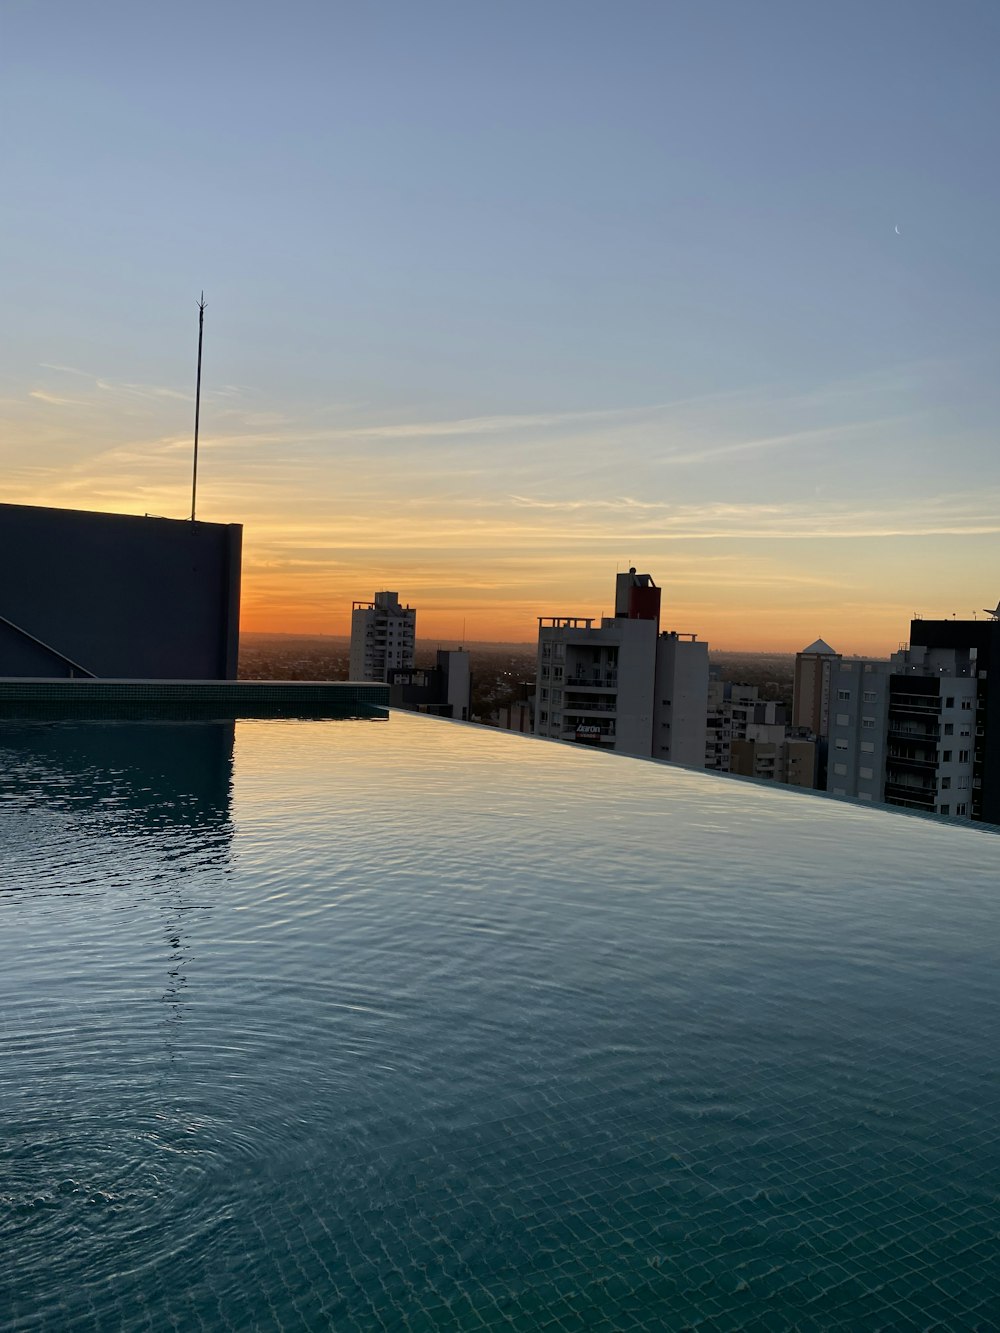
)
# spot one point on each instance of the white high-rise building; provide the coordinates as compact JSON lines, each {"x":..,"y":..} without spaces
{"x":622,"y":685}
{"x":383,"y":637}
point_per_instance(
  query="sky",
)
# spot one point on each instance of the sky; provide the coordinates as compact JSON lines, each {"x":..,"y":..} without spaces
{"x":505,"y":296}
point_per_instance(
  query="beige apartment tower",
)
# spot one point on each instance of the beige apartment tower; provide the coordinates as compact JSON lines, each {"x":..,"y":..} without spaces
{"x":814,"y":668}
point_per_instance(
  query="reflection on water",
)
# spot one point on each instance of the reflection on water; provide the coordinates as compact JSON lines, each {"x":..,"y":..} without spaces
{"x":419,"y":1027}
{"x":158,"y":772}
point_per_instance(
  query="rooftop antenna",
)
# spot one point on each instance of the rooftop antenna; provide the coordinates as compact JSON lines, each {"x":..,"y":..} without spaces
{"x":197,"y":404}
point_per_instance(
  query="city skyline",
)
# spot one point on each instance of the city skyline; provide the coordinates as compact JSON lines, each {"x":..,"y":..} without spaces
{"x":500,"y":300}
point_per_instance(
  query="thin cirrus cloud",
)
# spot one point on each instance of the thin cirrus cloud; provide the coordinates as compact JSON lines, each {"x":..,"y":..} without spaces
{"x":954,"y":515}
{"x":57,"y":400}
{"x":787,"y":440}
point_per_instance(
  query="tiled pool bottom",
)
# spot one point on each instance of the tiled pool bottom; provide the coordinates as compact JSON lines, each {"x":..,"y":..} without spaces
{"x":422,"y":1027}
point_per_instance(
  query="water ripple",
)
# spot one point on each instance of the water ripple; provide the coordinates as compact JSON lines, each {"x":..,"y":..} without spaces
{"x":319,"y":1025}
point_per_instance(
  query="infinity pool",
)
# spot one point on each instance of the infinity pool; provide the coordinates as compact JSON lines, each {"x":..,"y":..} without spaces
{"x":410,"y":1025}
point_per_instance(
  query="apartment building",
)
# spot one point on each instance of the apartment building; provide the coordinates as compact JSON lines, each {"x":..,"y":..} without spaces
{"x":770,"y":755}
{"x":976,"y":644}
{"x":731,"y":710}
{"x":902,"y":731}
{"x":814,"y":668}
{"x":621,"y":684}
{"x":383,"y":637}
{"x":857,"y":728}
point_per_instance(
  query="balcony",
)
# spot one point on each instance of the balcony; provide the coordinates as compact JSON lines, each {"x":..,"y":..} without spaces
{"x":919,"y":705}
{"x":593,"y":682}
{"x":911,"y":763}
{"x":918,"y":795}
{"x":924,"y":805}
{"x":909,"y":731}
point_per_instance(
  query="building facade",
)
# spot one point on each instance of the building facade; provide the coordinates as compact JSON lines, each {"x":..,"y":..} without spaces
{"x":383,"y":637}
{"x":857,"y":728}
{"x":118,"y":596}
{"x":769,"y":755}
{"x":976,"y":643}
{"x":620,"y":684}
{"x":814,"y":668}
{"x":904,"y":731}
{"x":444,"y":689}
{"x":732,"y":710}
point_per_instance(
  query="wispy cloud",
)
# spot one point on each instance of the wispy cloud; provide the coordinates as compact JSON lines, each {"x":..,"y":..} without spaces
{"x":57,"y":400}
{"x":66,"y":370}
{"x":149,"y":391}
{"x":962,"y":514}
{"x":814,"y":436}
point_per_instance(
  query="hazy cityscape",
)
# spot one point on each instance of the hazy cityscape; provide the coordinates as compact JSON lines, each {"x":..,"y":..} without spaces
{"x":500,"y":671}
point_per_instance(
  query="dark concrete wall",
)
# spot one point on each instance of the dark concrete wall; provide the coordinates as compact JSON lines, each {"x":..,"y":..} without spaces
{"x":117,"y":595}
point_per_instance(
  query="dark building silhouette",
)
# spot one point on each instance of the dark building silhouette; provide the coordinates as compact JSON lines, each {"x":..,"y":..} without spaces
{"x":114,"y":595}
{"x":444,"y":689}
{"x":981,"y":640}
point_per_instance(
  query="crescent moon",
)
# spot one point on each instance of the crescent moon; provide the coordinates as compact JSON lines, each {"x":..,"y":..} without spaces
{"x":897,"y":231}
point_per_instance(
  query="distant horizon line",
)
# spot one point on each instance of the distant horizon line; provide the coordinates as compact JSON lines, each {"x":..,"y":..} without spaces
{"x":501,"y":643}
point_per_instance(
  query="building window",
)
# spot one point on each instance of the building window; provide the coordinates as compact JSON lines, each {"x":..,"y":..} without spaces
{"x":963,"y":784}
{"x":843,"y":720}
{"x":840,"y":770}
{"x":949,"y":728}
{"x":961,"y":808}
{"x":868,"y":722}
{"x":839,"y":791}
{"x":967,"y":705}
{"x":944,"y":809}
{"x":843,"y":694}
{"x":864,"y":795}
{"x":867,"y":747}
{"x":946,"y":757}
{"x":866,"y":773}
{"x":950,"y":701}
{"x":545,"y":693}
{"x":870,"y":697}
{"x":945,"y":784}
{"x":543,"y":717}
{"x":963,"y":756}
{"x":840,"y":745}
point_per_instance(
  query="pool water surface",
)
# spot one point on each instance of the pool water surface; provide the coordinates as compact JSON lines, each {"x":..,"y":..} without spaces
{"x":411,"y":1025}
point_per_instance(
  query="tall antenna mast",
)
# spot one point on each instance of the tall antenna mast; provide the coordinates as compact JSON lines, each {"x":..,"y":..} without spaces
{"x":197,"y":404}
